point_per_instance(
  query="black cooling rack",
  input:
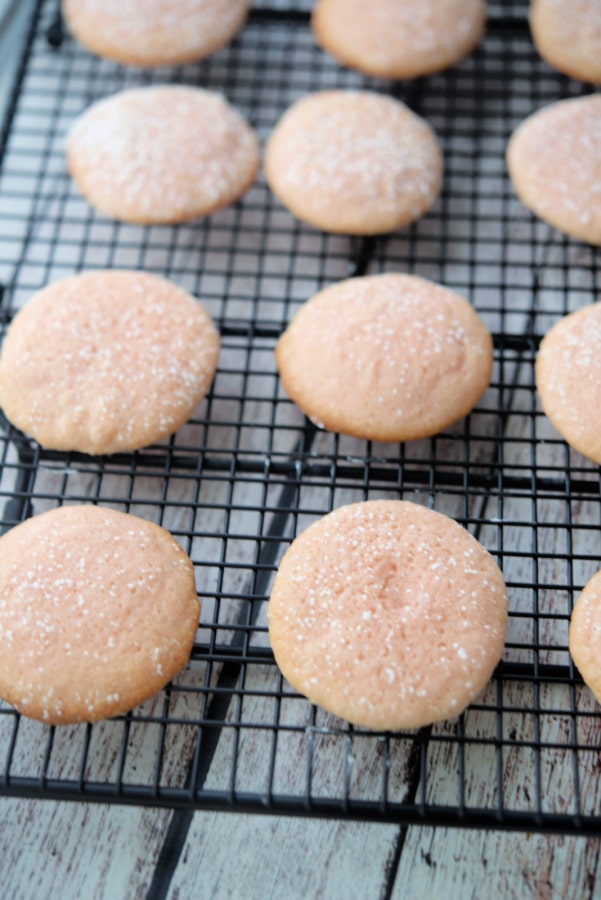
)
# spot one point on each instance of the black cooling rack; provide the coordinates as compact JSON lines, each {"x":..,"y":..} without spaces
{"x":248,"y":471}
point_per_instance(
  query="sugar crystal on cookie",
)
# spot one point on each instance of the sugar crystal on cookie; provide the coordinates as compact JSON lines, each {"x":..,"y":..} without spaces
{"x":398,"y":38}
{"x":354,"y":162}
{"x":78,"y":638}
{"x":127,"y":357}
{"x":162,"y":154}
{"x":157,"y":33}
{"x":554,"y":160}
{"x":415,"y":355}
{"x":374,"y":557}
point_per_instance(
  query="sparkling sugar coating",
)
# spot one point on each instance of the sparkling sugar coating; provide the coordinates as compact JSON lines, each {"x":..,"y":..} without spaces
{"x":388,"y":615}
{"x":107,"y":361}
{"x":585,"y":634}
{"x":98,"y":611}
{"x":354,"y":162}
{"x":162,"y":154}
{"x":568,"y":378}
{"x":389,"y":357}
{"x":554,"y":160}
{"x":399,"y":38}
{"x":567,"y":34}
{"x":161,"y":32}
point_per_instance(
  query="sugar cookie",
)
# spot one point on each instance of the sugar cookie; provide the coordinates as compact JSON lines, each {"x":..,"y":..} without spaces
{"x":399,"y":38}
{"x":157,"y":33}
{"x":124,"y":359}
{"x":354,"y":162}
{"x":388,"y":357}
{"x":388,"y":615}
{"x":162,"y":155}
{"x":554,"y":159}
{"x":567,"y":34}
{"x":98,"y":611}
{"x":568,"y":378}
{"x":585,"y":635}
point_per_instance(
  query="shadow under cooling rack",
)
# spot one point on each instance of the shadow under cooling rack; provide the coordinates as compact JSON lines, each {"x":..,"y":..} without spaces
{"x":248,"y":471}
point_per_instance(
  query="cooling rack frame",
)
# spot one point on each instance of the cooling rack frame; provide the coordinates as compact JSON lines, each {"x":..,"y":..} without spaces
{"x":248,"y":471}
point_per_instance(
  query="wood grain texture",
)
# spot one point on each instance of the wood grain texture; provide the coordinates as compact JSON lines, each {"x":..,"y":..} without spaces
{"x":283,"y":857}
{"x":74,"y":850}
{"x":467,"y":865}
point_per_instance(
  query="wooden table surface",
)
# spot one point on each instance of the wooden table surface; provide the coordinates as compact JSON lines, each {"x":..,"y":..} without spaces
{"x":547,"y":540}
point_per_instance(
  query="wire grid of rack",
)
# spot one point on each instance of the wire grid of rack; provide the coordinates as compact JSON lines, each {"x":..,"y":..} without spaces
{"x":248,"y":472}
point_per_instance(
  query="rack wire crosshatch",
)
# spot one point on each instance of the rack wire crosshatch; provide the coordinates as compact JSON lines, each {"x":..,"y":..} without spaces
{"x":248,"y":472}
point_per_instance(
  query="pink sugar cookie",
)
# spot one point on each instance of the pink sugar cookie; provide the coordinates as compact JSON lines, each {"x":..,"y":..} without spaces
{"x":399,"y":38}
{"x":354,"y":162}
{"x":388,"y":615}
{"x":567,"y":34}
{"x":585,"y":635}
{"x":125,"y":360}
{"x":162,"y":155}
{"x":554,"y":160}
{"x":568,"y":378}
{"x":389,"y":357}
{"x":98,"y":612}
{"x":154,"y":32}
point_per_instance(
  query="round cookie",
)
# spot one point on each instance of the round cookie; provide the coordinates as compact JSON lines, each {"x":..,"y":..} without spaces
{"x":554,"y":160}
{"x":98,"y":612}
{"x":386,"y":357}
{"x":568,"y":378}
{"x":162,"y":32}
{"x":162,"y":154}
{"x":567,"y":34}
{"x":399,"y":38}
{"x":585,"y":634}
{"x":354,"y":162}
{"x":388,"y":615}
{"x":125,"y":359}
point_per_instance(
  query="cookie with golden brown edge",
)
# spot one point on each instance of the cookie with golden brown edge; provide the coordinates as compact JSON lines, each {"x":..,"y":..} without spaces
{"x":125,"y":359}
{"x":354,"y":162}
{"x":567,"y":34}
{"x":98,"y":612}
{"x":157,"y":33}
{"x":554,"y":160}
{"x":162,"y":154}
{"x":388,"y":615}
{"x":568,"y":379}
{"x":389,"y":357}
{"x":399,"y":38}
